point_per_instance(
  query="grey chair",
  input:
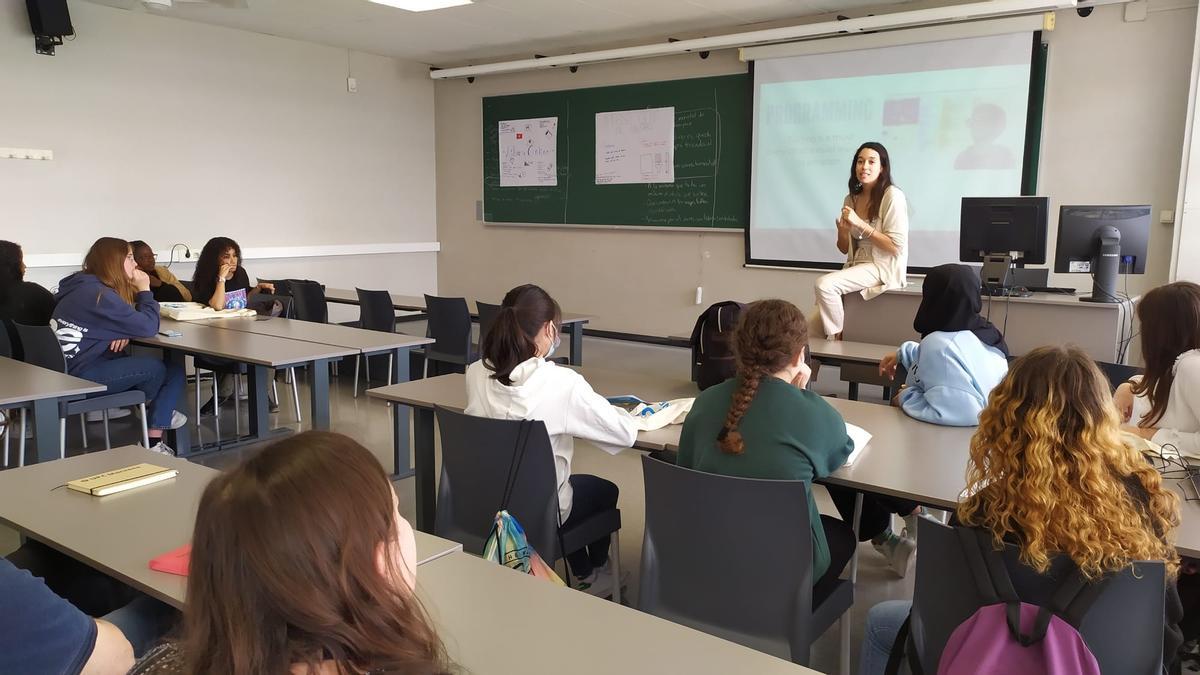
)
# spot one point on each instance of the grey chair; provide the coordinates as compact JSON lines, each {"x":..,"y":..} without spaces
{"x":477,"y":455}
{"x":1123,"y":628}
{"x":375,"y":312}
{"x":450,"y":327}
{"x":6,"y":351}
{"x":732,"y":557}
{"x":1118,"y":373}
{"x":487,"y":317}
{"x":42,"y":349}
{"x":309,"y":301}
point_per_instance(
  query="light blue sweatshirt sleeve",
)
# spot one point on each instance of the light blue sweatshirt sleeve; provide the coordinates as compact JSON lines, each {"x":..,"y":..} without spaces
{"x":949,"y":378}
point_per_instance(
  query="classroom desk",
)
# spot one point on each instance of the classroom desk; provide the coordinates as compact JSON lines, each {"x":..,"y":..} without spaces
{"x":120,"y":534}
{"x":572,"y":324}
{"x":450,"y":391}
{"x":263,"y":355}
{"x":495,"y":621}
{"x":1044,"y":318}
{"x":22,"y":383}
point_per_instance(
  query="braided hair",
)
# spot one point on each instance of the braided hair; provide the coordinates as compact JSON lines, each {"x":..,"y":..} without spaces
{"x":768,"y":336}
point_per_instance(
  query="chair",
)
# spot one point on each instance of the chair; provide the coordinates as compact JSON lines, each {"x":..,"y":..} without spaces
{"x":6,"y":351}
{"x":1124,"y":628}
{"x":732,"y":557}
{"x":42,"y":349}
{"x":375,"y":312}
{"x":309,"y":305}
{"x":450,"y":327}
{"x":1118,"y":373}
{"x":477,"y":454}
{"x":487,"y":317}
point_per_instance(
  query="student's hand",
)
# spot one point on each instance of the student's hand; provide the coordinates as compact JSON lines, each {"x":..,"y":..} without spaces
{"x":140,"y":279}
{"x":887,"y":366}
{"x":1123,"y":399}
{"x":225,"y":272}
{"x":118,"y":345}
{"x":896,"y":397}
{"x":1145,"y":432}
{"x":802,"y":377}
{"x":266,"y":287}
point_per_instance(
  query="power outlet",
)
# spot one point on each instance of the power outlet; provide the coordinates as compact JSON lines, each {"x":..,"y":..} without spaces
{"x":352,"y":85}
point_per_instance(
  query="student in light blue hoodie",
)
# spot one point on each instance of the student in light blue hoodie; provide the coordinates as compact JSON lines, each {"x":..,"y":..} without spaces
{"x":960,"y":358}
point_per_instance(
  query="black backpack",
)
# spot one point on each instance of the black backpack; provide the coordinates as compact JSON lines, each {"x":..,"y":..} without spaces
{"x":712,"y":348}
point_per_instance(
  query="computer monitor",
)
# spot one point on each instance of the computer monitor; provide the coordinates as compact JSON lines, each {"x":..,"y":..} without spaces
{"x":1007,"y":226}
{"x":1102,"y":241}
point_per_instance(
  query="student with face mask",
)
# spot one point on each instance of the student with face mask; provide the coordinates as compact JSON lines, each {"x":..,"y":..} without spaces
{"x":516,"y":380}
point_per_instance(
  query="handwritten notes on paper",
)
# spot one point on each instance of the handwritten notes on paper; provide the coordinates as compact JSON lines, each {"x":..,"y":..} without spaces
{"x":635,"y":146}
{"x":529,"y":152}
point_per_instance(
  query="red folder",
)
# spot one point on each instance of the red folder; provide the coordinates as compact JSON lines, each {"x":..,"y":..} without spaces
{"x":173,"y":562}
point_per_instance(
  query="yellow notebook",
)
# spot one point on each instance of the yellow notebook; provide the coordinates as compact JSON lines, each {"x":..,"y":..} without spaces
{"x":119,"y":480}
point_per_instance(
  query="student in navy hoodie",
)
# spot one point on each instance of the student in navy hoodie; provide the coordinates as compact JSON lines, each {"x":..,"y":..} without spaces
{"x":98,"y":310}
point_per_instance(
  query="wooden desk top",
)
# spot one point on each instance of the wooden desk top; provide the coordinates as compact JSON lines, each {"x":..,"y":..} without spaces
{"x":450,"y":391}
{"x":366,"y":341}
{"x":119,"y":534}
{"x":241,"y":346}
{"x":468,"y":598}
{"x":21,"y":382}
{"x":417,"y":303}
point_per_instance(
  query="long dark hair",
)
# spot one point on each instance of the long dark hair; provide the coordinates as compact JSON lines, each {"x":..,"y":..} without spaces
{"x":510,"y":340}
{"x":881,"y":184}
{"x":768,"y":336}
{"x":11,"y":269}
{"x":204,"y":278}
{"x":1170,"y":320}
{"x":284,"y":568}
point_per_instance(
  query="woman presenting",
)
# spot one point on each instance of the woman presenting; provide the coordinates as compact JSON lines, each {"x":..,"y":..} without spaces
{"x":872,"y":231}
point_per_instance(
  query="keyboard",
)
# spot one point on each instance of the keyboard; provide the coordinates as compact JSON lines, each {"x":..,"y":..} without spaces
{"x":1052,"y":289}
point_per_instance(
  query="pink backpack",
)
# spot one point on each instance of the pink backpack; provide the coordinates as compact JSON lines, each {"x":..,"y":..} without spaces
{"x":1005,"y":635}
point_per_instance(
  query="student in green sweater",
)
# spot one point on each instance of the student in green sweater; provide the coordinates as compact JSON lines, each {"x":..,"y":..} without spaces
{"x":764,"y":424}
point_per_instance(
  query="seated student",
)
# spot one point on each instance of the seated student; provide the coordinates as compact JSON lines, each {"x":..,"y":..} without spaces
{"x":329,"y":592}
{"x":764,"y":424}
{"x":961,"y":355}
{"x":516,"y":380}
{"x":219,"y":281}
{"x":1049,"y":472}
{"x":163,"y":283}
{"x":98,"y":310}
{"x":20,"y":301}
{"x":42,"y":633}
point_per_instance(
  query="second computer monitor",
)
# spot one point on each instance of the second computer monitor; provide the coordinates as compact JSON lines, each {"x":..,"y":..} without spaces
{"x":1003,"y":225}
{"x":1079,"y":237}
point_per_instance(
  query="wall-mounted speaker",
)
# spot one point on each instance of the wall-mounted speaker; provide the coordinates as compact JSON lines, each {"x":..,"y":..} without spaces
{"x":49,"y":20}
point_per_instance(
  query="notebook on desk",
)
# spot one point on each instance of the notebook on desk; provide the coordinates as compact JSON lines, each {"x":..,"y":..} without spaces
{"x":120,"y":480}
{"x":860,"y":437}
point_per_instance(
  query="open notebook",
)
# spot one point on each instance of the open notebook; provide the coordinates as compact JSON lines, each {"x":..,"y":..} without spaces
{"x":861,"y":437}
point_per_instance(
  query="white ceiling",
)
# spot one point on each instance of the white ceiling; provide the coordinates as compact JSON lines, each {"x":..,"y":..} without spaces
{"x":490,"y":29}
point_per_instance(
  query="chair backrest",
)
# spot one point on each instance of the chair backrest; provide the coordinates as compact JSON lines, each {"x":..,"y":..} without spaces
{"x":375,"y":311}
{"x":1123,"y":628}
{"x":449,"y":326}
{"x":40,"y":347}
{"x":728,"y":556}
{"x":487,"y":317}
{"x":309,"y":299}
{"x":477,"y":453}
{"x":1118,"y":373}
{"x":6,"y":346}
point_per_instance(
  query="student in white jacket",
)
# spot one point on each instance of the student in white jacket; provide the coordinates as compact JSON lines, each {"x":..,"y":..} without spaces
{"x":1163,"y":405}
{"x":515,"y":380}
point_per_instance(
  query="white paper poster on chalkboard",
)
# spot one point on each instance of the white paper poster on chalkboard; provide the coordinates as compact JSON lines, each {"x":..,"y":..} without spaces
{"x":635,"y":146}
{"x":529,"y":152}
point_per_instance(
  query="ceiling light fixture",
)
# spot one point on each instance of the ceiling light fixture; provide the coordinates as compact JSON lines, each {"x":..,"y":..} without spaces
{"x":422,"y":5}
{"x":986,"y":9}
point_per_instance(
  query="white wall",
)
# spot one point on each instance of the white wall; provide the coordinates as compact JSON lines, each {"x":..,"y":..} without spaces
{"x":173,"y":131}
{"x":1113,"y":131}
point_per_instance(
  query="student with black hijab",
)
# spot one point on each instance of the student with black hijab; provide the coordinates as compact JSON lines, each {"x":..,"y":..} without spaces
{"x":960,"y":358}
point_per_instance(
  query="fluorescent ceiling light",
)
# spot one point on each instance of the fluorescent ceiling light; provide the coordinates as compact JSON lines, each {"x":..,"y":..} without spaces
{"x":422,"y":5}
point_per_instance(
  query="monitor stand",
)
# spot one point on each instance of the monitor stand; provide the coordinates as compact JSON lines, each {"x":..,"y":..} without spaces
{"x":1105,"y":266}
{"x":995,"y":276}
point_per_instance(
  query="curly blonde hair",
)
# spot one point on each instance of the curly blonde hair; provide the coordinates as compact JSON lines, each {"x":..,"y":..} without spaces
{"x":1048,"y":470}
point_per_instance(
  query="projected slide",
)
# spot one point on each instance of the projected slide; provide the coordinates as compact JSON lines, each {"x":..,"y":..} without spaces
{"x":951,"y":114}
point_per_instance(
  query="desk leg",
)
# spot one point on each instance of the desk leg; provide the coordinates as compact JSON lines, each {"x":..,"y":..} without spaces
{"x":260,"y":421}
{"x":576,"y":344}
{"x":853,"y":391}
{"x":45,"y":429}
{"x":423,"y":443}
{"x":858,"y":507}
{"x":400,"y":465}
{"x":318,"y":386}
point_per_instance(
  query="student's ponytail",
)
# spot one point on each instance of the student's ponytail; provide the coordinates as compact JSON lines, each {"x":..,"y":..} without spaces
{"x":768,"y":337}
{"x":511,"y":339}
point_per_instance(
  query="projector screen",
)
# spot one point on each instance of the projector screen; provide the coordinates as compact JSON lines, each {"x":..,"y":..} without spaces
{"x":952,"y":115}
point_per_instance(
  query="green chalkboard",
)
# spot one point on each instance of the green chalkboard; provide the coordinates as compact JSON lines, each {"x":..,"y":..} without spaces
{"x":712,"y":157}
